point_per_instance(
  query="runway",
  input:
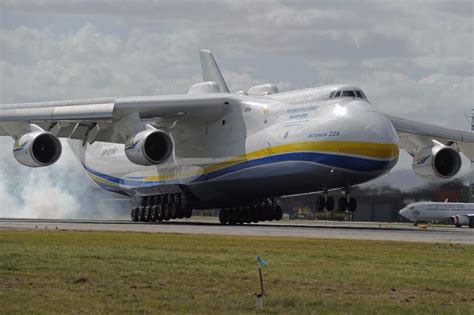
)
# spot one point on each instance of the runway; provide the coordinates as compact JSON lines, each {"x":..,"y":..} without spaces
{"x":305,"y":229}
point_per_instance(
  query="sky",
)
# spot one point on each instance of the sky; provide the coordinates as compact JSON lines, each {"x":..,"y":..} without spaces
{"x":413,"y":59}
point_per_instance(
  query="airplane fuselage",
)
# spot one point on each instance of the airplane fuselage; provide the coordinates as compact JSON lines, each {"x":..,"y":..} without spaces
{"x":261,"y":147}
{"x":440,"y":211}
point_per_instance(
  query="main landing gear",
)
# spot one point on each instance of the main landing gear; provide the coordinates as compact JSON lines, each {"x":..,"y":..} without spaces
{"x":161,"y":208}
{"x":266,"y":212}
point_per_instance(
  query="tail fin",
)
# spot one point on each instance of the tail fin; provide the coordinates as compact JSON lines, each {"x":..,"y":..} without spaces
{"x":210,"y":70}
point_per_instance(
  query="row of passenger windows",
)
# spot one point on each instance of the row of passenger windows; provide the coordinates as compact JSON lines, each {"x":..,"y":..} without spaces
{"x":347,"y":93}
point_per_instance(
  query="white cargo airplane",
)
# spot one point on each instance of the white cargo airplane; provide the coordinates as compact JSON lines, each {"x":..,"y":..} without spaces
{"x":236,"y":152}
{"x":456,"y":213}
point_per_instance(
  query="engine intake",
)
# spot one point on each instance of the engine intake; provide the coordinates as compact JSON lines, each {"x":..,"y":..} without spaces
{"x":437,"y":162}
{"x":149,"y":147}
{"x":37,"y":149}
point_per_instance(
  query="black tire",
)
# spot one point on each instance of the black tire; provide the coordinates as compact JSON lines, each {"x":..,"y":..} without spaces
{"x":188,"y":213}
{"x":147,"y":213}
{"x":166,"y":212}
{"x":278,"y":213}
{"x":253,"y":214}
{"x":134,"y":214}
{"x":342,"y":204}
{"x":268,"y":213}
{"x":173,"y":211}
{"x":329,"y":203}
{"x":232,"y":219}
{"x":179,"y":211}
{"x":159,"y":213}
{"x":156,"y":213}
{"x":260,"y":213}
{"x":248,"y":215}
{"x":352,"y":205}
{"x":152,"y":214}
{"x":141,"y":214}
{"x":222,"y":216}
{"x":239,"y":216}
{"x":320,"y":203}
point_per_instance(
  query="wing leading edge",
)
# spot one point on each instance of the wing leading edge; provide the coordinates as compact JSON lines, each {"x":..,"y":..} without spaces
{"x":415,"y":135}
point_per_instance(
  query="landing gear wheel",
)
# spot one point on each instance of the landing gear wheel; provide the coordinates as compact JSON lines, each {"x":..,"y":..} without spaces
{"x":223,"y":216}
{"x":329,"y":203}
{"x":166,"y":212}
{"x":342,"y":204}
{"x":159,"y":214}
{"x":233,"y":216}
{"x":320,"y":203}
{"x":247,"y":215}
{"x":141,"y":214}
{"x":268,"y":213}
{"x":173,"y":212}
{"x":260,"y":213}
{"x":254,"y":214}
{"x":153,"y":213}
{"x":134,"y":215}
{"x":188,"y":213}
{"x":179,"y":211}
{"x":352,"y":205}
{"x":278,"y":213}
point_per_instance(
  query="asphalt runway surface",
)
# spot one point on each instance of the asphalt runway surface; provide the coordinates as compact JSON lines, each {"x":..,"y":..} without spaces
{"x":305,"y":229}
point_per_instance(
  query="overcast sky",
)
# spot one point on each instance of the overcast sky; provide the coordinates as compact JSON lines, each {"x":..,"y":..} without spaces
{"x":413,"y":59}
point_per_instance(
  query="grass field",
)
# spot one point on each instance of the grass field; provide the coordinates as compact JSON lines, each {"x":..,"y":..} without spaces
{"x":97,"y":272}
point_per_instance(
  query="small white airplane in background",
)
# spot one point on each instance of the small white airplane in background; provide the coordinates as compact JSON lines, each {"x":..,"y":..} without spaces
{"x":456,"y":213}
{"x":212,"y":149}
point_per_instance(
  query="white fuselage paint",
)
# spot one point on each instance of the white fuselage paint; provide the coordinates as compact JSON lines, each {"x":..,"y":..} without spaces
{"x":266,"y":146}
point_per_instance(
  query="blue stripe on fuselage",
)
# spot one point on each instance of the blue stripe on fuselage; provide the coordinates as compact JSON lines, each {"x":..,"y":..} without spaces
{"x":350,"y":163}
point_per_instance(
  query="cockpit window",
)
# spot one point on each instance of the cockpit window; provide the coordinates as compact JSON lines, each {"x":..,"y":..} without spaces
{"x":348,"y":93}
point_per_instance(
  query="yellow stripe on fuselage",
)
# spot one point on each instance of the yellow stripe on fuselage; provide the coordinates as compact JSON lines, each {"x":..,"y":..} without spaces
{"x":369,"y":150}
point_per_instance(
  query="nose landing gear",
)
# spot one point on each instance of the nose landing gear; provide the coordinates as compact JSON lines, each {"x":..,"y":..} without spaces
{"x":346,"y":203}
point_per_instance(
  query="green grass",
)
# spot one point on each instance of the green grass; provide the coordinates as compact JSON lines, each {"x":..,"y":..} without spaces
{"x":99,"y":272}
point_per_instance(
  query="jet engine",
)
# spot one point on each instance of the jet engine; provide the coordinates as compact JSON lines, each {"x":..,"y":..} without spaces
{"x":437,"y":162}
{"x":459,"y":220}
{"x":149,"y":147}
{"x":37,"y":148}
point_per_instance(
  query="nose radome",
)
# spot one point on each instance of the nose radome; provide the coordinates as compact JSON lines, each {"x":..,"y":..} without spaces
{"x":404,"y":213}
{"x":364,"y":122}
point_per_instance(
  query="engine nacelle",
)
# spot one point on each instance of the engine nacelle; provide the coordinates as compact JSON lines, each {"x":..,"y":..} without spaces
{"x":149,"y":147}
{"x":459,"y":220}
{"x":37,"y":148}
{"x":437,"y":162}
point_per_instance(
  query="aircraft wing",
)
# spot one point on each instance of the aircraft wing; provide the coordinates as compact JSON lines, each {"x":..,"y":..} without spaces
{"x":414,"y":135}
{"x":106,"y":117}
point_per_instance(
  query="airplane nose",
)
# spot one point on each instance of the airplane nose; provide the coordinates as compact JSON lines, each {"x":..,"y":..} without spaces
{"x":370,"y":130}
{"x":370,"y":124}
{"x":403,"y":213}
